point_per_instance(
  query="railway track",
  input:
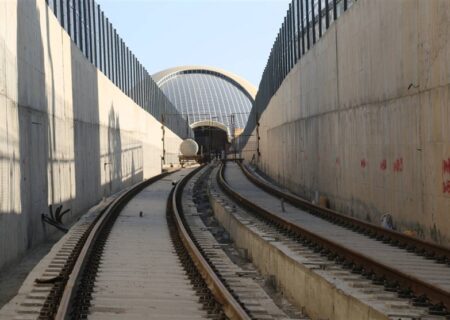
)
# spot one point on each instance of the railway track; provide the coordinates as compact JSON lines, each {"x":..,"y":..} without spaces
{"x":138,"y":261}
{"x":412,"y":268}
{"x":247,"y":285}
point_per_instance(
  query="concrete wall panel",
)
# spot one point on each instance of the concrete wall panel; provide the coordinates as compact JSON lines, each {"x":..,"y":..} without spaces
{"x":364,"y":117}
{"x":68,"y":135}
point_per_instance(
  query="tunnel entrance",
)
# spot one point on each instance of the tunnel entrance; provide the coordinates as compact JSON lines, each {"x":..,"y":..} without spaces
{"x":211,"y":140}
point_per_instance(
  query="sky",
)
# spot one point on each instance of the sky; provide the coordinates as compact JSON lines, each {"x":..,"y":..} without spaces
{"x":235,"y":35}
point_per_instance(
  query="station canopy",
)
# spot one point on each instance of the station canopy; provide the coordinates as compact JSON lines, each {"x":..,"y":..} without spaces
{"x":208,"y":96}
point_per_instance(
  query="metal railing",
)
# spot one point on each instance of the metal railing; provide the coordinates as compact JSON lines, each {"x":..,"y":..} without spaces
{"x":100,"y":43}
{"x":306,"y":21}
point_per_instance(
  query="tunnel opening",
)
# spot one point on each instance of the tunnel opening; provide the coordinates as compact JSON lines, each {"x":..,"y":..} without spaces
{"x":212,"y":141}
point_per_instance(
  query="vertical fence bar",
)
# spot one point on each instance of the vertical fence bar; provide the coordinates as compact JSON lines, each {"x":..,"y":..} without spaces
{"x":80,"y":28}
{"x":327,"y":16}
{"x":106,"y":33}
{"x":144,"y":88}
{"x":68,"y":14}
{"x":89,"y":24}
{"x":100,"y":39}
{"x":135,"y":84}
{"x":298,"y":29}
{"x":284,"y":49}
{"x":136,"y":63}
{"x":335,"y":9}
{"x":116,"y":58}
{"x":313,"y":20}
{"x":86,"y":33}
{"x":288,"y":40}
{"x":55,"y":8}
{"x":286,"y":46}
{"x":293,"y":45}
{"x":111,"y":48}
{"x":119,"y":49}
{"x":127,"y":56}
{"x":307,"y":23}
{"x":113,"y":55}
{"x":130,"y":75}
{"x":149,"y":92}
{"x":122,"y":64}
{"x":95,"y":36}
{"x":124,"y":68}
{"x":120,"y":46}
{"x":108,"y":48}
{"x":61,"y":12}
{"x":319,"y":18}
{"x":114,"y":44}
{"x":302,"y":24}
{"x":280,"y":74}
{"x":345,"y":5}
{"x":133,"y":80}
{"x":105,"y":44}
{"x":139,"y":83}
{"x":118,"y":65}
{"x":280,"y":56}
{"x":289,"y":51}
{"x":75,"y":22}
{"x":293,"y":42}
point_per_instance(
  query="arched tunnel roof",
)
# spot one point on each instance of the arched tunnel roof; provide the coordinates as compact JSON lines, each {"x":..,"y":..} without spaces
{"x":205,"y":93}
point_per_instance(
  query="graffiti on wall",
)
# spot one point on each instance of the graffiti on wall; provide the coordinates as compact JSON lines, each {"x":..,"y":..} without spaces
{"x":446,"y":176}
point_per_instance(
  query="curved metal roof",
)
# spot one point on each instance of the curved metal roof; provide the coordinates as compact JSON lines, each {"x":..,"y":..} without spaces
{"x":203,"y":93}
{"x":160,"y":77}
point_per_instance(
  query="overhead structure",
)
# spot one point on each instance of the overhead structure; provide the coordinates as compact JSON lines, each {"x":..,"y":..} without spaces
{"x":208,"y":97}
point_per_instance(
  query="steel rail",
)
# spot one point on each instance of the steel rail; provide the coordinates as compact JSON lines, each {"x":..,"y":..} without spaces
{"x":65,"y":303}
{"x":430,"y":250}
{"x":230,"y":305}
{"x":364,"y":264}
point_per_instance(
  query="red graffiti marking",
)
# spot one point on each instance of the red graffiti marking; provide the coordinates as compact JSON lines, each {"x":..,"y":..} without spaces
{"x":383,"y":164}
{"x":363,"y":163}
{"x":446,"y":166}
{"x":338,"y":161}
{"x":398,"y":165}
{"x":446,"y":185}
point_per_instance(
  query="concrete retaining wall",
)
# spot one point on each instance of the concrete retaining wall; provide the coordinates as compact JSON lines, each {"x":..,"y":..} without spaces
{"x":67,"y":134}
{"x":364,"y":117}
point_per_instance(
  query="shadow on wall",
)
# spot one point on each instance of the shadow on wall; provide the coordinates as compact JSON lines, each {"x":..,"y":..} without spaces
{"x":114,"y":158}
{"x":33,"y":131}
{"x":50,"y":159}
{"x":123,"y":163}
{"x":86,"y":131}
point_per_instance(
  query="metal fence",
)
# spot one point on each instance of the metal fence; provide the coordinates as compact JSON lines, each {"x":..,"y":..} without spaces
{"x":305,"y":23}
{"x":100,"y":43}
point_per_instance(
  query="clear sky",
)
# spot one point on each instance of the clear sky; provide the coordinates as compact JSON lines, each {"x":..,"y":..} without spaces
{"x":235,"y":35}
